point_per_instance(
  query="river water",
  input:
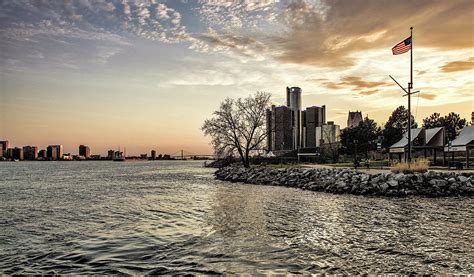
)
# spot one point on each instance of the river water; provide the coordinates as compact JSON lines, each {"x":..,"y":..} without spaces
{"x":173,"y":217}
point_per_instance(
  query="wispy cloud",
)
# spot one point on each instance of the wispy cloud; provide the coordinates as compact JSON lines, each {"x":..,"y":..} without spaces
{"x":458,"y":65}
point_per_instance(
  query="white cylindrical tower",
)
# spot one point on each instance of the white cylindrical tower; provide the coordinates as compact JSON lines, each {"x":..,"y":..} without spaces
{"x":293,"y":100}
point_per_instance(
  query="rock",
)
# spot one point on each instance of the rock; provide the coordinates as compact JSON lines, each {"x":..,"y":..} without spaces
{"x":383,"y":187}
{"x":400,"y":177}
{"x":337,"y":180}
{"x":392,"y":183}
{"x":438,"y":183}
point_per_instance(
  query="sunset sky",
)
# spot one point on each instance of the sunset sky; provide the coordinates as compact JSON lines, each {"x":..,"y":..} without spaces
{"x":146,"y":74}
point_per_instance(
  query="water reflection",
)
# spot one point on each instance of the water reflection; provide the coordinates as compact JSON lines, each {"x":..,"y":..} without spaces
{"x":169,"y":217}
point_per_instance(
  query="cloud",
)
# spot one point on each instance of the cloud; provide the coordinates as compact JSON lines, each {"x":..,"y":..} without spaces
{"x":317,"y":33}
{"x":359,"y":84}
{"x":458,"y":65}
{"x":369,"y":92}
{"x":355,"y":83}
{"x":244,"y":45}
{"x":333,"y":33}
{"x":428,"y":96}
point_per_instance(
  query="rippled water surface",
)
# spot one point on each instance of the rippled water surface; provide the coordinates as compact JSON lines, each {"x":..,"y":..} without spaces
{"x":170,"y":217}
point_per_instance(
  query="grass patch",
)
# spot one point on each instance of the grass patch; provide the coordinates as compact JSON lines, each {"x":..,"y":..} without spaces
{"x":420,"y":165}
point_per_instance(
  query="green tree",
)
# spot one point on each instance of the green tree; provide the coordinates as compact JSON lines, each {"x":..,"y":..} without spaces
{"x":396,"y":126}
{"x":364,"y":135}
{"x":452,"y":123}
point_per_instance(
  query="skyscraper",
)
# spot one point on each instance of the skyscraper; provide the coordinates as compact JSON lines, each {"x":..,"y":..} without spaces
{"x":329,"y":133}
{"x":3,"y":148}
{"x":153,"y":154}
{"x":30,"y":152}
{"x":17,"y":153}
{"x":293,"y":101}
{"x":84,"y":151}
{"x":313,"y":117}
{"x":353,"y":119}
{"x":54,"y":152}
{"x":280,"y":136}
{"x":110,"y":154}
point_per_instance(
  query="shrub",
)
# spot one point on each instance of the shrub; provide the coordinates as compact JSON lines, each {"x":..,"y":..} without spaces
{"x":420,"y":165}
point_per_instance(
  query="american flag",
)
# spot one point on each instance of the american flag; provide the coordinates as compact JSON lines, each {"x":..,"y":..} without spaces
{"x":402,"y":47}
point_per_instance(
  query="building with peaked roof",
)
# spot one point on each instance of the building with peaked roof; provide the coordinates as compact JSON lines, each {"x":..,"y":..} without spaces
{"x":427,"y":140}
{"x":464,"y":142}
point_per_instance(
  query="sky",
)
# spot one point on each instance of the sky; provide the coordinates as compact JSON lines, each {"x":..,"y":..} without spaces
{"x":146,"y":74}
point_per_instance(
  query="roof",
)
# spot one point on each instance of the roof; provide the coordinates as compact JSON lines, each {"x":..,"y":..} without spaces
{"x":404,"y":141}
{"x":431,"y":133}
{"x":465,"y":137}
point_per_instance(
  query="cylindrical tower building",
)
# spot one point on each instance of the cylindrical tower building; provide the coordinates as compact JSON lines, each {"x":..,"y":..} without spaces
{"x":293,"y":101}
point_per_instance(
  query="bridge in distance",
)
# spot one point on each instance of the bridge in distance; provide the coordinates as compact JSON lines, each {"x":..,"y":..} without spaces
{"x":183,"y":154}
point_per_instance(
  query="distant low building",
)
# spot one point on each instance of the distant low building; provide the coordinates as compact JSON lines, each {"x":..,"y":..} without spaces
{"x":30,"y":153}
{"x":42,"y":154}
{"x":143,"y":156}
{"x":353,"y":119}
{"x":67,"y":157}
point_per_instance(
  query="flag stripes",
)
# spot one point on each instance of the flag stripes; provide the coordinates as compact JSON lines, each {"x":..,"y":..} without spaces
{"x":402,"y":47}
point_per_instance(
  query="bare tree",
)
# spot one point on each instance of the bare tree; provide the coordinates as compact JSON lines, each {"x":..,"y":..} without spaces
{"x":238,"y":127}
{"x":331,"y":143}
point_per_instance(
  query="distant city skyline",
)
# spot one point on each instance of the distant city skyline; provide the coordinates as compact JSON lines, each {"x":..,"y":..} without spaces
{"x":145,"y":74}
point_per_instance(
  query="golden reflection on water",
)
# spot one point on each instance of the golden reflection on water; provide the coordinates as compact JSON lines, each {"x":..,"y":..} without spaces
{"x":173,"y":217}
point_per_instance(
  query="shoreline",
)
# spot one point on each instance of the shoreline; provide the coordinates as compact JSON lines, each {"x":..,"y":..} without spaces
{"x":349,"y":181}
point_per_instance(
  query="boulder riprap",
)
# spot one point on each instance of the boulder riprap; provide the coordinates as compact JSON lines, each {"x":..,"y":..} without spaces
{"x":343,"y":180}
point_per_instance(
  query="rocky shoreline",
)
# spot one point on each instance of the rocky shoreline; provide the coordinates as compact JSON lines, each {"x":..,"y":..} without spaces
{"x":342,"y":180}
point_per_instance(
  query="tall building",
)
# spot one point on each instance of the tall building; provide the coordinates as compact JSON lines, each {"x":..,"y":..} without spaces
{"x":353,"y":119}
{"x":293,"y":101}
{"x":17,"y":153}
{"x":84,"y":151}
{"x":54,"y":152}
{"x":312,"y":117}
{"x":280,"y":132}
{"x":330,"y":133}
{"x":3,"y":148}
{"x":153,"y":154}
{"x":30,"y":153}
{"x":110,"y":154}
{"x":472,"y":118}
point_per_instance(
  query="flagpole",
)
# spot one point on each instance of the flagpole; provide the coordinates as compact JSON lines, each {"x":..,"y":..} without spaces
{"x":410,"y":86}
